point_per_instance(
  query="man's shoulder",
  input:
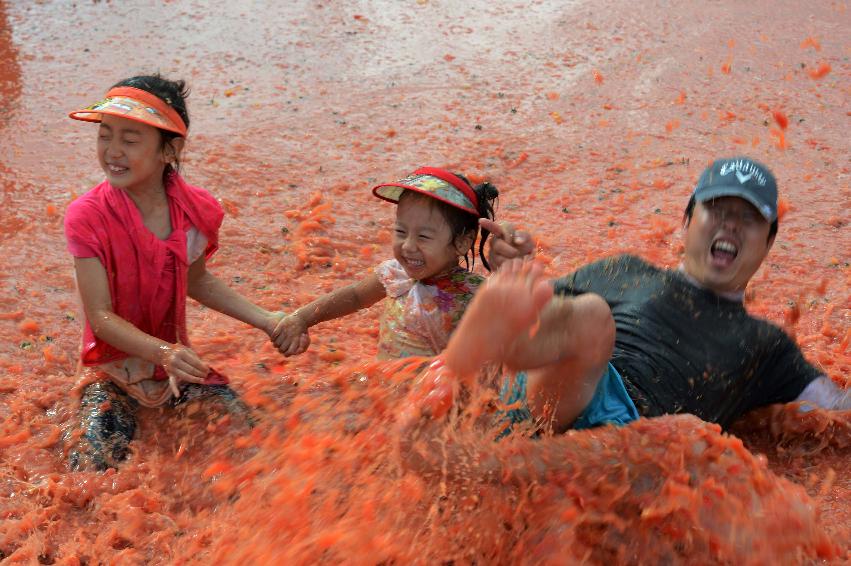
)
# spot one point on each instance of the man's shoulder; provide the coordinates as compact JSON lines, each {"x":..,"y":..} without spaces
{"x":620,"y":265}
{"x":612,"y":272}
{"x":632,"y":261}
{"x":765,"y":328}
{"x":760,"y":333}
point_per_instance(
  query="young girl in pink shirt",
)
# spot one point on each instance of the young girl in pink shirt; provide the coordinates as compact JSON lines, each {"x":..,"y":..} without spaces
{"x":140,"y":242}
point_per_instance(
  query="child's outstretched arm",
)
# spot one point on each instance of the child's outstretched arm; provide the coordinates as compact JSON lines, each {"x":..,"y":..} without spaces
{"x":212,"y":292}
{"x":336,"y":304}
{"x":179,"y":362}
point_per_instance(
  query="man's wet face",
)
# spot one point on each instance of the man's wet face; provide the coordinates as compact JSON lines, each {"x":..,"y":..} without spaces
{"x":726,"y":242}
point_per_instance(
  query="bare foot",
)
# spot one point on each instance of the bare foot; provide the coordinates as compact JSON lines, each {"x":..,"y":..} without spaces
{"x":505,"y":307}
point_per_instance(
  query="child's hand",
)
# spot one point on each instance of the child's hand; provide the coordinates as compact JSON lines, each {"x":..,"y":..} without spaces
{"x":290,"y":335}
{"x":182,"y":365}
{"x":272,"y":321}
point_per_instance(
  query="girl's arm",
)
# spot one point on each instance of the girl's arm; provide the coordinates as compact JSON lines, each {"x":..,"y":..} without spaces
{"x":343,"y":301}
{"x":180,"y":362}
{"x":212,"y":292}
{"x":336,"y":304}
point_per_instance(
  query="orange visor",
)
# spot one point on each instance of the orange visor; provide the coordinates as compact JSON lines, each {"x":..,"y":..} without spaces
{"x":134,"y":104}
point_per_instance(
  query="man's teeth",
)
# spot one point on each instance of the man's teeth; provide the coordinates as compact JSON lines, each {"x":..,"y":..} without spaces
{"x":414,"y":262}
{"x":727,"y":247}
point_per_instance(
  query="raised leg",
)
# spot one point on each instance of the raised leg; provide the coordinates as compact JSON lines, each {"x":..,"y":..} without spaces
{"x":567,"y":358}
{"x":564,"y":344}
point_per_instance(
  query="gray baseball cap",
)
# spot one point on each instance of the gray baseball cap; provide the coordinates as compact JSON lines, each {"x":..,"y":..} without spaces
{"x":740,"y":177}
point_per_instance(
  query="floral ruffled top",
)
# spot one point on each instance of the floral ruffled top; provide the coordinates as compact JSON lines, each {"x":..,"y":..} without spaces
{"x":419,"y":316}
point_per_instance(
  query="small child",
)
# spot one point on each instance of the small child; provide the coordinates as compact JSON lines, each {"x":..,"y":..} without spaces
{"x":140,"y":241}
{"x":437,"y":223}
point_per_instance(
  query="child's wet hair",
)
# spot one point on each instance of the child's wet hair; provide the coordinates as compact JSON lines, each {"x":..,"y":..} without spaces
{"x":462,"y":222}
{"x":173,"y":93}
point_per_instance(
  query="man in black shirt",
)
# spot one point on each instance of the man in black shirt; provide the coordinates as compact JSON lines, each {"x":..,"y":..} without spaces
{"x":681,"y":348}
{"x":684,"y":342}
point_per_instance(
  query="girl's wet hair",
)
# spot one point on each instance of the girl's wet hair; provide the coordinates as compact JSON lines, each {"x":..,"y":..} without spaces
{"x":462,"y":222}
{"x":173,"y":93}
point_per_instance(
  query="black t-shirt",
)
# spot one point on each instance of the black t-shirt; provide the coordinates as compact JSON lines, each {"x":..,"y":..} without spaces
{"x":683,"y":349}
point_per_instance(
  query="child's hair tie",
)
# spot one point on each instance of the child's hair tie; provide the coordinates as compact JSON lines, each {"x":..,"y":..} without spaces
{"x":134,"y":104}
{"x":436,"y":183}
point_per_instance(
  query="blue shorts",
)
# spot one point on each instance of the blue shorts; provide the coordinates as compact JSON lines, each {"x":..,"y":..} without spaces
{"x":610,"y":405}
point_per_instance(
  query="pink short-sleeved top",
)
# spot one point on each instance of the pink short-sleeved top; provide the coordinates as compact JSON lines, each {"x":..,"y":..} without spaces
{"x":147,"y":277}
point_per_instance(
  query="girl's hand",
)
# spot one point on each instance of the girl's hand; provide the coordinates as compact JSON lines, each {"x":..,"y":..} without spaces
{"x":290,"y":335}
{"x":272,"y":321}
{"x":182,"y":365}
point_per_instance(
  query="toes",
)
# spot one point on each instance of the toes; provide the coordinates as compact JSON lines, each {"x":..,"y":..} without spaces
{"x":542,"y":293}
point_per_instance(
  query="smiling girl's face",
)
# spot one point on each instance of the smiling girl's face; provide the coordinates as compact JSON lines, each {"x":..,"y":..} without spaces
{"x":132,"y":154}
{"x":422,"y":240}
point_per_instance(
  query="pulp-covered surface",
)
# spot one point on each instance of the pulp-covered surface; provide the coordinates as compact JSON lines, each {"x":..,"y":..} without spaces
{"x":594,"y":120}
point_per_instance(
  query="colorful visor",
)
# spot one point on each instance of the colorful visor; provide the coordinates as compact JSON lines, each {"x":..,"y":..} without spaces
{"x":134,"y":104}
{"x":434,"y":182}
